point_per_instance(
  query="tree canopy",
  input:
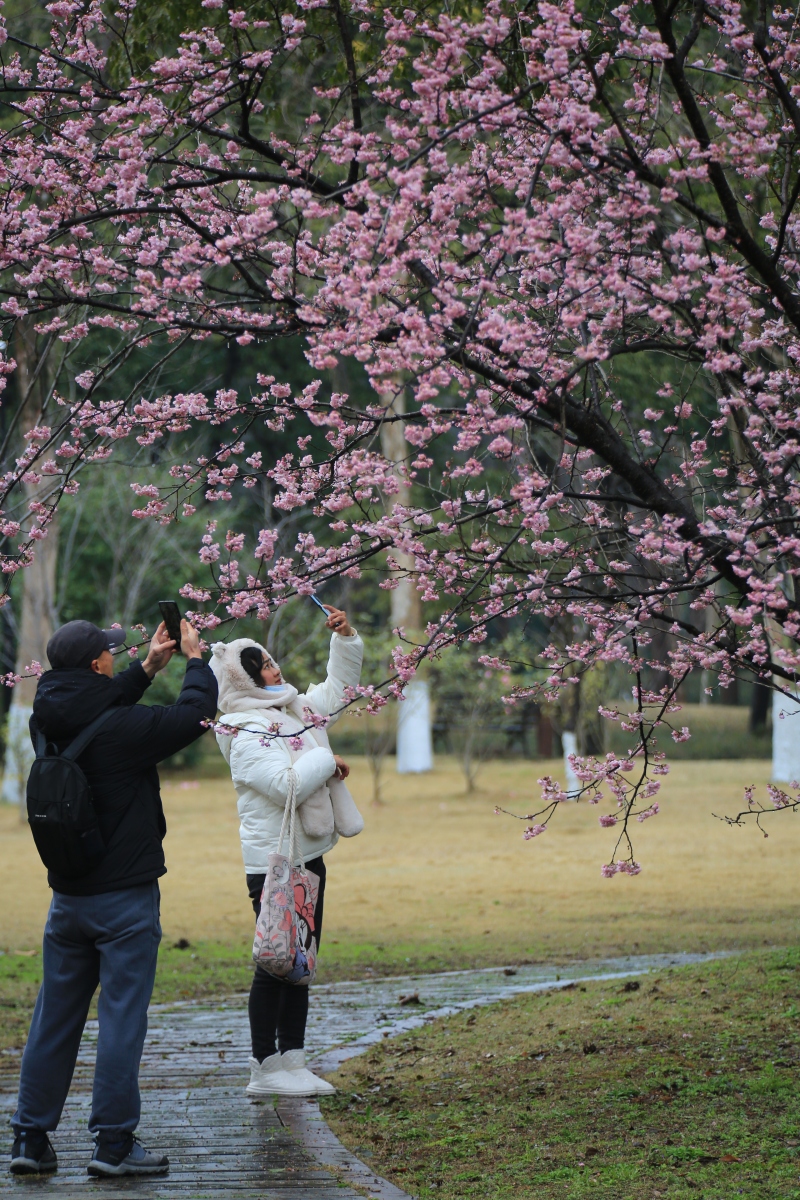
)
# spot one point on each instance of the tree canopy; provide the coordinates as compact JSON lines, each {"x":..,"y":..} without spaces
{"x":557,"y":244}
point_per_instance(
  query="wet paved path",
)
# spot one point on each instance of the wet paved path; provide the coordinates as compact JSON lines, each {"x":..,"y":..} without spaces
{"x":220,"y":1143}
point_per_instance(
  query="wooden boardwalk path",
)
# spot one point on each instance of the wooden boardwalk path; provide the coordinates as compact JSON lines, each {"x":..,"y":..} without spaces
{"x":219,"y":1142}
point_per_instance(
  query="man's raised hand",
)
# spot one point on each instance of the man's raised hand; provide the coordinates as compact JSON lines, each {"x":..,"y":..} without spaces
{"x":162,"y":648}
{"x":190,"y":641}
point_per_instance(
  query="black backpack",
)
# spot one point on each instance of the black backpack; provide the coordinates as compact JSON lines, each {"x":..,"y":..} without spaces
{"x":61,"y":814}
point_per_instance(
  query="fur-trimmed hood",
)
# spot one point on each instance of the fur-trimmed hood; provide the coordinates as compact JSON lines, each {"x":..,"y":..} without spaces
{"x":324,"y":804}
{"x":237,"y":691}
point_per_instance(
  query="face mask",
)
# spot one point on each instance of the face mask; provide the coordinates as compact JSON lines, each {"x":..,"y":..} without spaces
{"x":273,"y":687}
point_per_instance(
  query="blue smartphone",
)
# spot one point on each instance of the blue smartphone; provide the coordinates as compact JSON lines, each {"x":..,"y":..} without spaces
{"x":319,"y":604}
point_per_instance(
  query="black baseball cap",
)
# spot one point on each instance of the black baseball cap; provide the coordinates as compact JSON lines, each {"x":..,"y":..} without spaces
{"x":78,"y":643}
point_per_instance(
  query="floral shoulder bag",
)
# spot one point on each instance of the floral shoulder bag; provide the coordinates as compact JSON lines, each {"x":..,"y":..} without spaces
{"x":285,"y":943}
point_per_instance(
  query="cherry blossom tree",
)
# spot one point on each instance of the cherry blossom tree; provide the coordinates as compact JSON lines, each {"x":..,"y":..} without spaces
{"x":569,"y":236}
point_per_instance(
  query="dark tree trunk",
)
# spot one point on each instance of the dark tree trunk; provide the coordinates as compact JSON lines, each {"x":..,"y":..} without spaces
{"x":759,"y":706}
{"x":545,"y":736}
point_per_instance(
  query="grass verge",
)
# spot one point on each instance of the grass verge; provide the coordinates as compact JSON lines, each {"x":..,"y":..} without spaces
{"x":20,"y":976}
{"x":679,"y":1086}
{"x":184,"y":973}
{"x":206,"y":970}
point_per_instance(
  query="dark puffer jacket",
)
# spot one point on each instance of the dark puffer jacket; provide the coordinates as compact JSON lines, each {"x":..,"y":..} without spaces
{"x":120,"y":762}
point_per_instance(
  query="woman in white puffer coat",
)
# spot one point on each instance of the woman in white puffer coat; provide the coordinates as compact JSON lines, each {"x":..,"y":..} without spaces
{"x":255,"y":699}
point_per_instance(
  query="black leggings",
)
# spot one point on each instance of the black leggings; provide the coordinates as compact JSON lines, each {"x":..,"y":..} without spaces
{"x":279,"y":1011}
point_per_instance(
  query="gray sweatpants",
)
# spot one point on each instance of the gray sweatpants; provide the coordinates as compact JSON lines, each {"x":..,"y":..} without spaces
{"x":111,"y":939}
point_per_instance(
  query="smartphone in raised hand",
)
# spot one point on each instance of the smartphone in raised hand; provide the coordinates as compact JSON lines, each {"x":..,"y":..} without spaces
{"x":171,"y":616}
{"x":319,"y":604}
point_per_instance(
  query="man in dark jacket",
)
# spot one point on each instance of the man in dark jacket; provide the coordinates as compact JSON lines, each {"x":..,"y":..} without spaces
{"x":105,"y":926}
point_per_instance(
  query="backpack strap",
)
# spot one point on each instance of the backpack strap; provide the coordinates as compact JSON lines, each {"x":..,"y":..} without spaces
{"x":85,"y":736}
{"x":40,"y":748}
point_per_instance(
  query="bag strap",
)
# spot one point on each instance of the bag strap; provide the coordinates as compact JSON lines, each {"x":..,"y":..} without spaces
{"x":295,"y":851}
{"x":85,"y":736}
{"x":290,"y":819}
{"x":287,"y":809}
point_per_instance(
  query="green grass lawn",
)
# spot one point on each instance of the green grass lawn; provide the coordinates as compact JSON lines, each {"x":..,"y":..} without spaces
{"x":20,"y":976}
{"x":685,"y":1085}
{"x":198,"y":971}
{"x":195,"y":972}
{"x":594,"y":1092}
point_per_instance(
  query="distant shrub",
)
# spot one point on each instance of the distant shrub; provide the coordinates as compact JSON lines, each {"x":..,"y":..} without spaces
{"x":718,"y":731}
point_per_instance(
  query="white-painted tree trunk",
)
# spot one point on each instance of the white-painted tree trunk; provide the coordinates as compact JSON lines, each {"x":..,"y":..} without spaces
{"x":34,"y":599}
{"x":19,"y":753}
{"x":414,"y":734}
{"x":414,"y":740}
{"x":35,"y":629}
{"x":785,"y":739}
{"x":569,"y":742}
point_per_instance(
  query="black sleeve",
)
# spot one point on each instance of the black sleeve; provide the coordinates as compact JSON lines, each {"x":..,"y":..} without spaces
{"x":130,"y":685}
{"x":124,"y":690}
{"x":158,"y":732}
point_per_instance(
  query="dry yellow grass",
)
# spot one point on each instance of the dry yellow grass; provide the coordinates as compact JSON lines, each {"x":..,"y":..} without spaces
{"x":438,"y":879}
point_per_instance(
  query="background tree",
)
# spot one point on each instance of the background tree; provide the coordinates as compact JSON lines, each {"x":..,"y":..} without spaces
{"x":469,"y":698}
{"x":378,"y":731}
{"x":36,"y":610}
{"x":414,"y":733}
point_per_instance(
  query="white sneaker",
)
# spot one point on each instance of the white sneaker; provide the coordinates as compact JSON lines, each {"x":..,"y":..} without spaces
{"x":293,"y":1062}
{"x":270,"y":1079}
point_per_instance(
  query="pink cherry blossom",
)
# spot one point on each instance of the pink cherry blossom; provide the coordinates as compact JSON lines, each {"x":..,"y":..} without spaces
{"x":572,"y":246}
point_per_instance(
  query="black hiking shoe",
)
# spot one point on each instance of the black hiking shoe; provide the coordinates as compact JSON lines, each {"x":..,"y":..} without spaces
{"x":32,"y":1154}
{"x":127,"y":1157}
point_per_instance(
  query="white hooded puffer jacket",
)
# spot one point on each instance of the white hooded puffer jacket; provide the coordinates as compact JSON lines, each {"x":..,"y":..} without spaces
{"x":260,"y":773}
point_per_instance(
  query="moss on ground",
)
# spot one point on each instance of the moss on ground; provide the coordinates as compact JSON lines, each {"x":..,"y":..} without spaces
{"x":682,"y":1085}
